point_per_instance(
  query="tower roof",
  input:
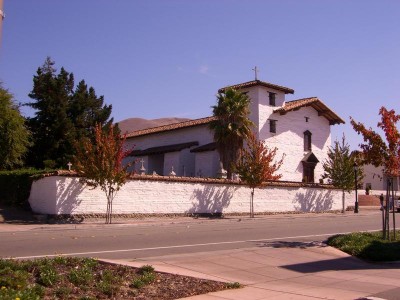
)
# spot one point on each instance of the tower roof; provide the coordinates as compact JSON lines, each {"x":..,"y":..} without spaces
{"x":243,"y":85}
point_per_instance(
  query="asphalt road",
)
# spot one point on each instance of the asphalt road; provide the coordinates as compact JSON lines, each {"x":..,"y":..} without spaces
{"x":128,"y":241}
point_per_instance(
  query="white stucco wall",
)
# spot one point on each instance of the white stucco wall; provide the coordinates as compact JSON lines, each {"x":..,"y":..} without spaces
{"x":378,"y":181}
{"x":374,"y":176}
{"x":65,"y":195}
{"x":260,"y":110}
{"x":289,"y":139}
{"x":207,"y":164}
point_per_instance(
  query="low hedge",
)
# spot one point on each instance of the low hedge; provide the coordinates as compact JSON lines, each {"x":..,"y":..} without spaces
{"x":15,"y":186}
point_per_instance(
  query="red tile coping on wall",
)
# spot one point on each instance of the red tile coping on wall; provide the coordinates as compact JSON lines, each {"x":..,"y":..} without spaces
{"x":200,"y":180}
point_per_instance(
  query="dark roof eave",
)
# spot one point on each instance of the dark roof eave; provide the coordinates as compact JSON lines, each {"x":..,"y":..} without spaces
{"x":163,"y":149}
{"x":207,"y":147}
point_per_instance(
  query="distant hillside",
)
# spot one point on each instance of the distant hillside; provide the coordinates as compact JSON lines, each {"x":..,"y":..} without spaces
{"x":133,"y":124}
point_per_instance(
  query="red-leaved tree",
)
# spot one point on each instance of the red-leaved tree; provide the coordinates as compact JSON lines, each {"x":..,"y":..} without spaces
{"x":100,"y":163}
{"x":257,"y":165}
{"x":382,"y":153}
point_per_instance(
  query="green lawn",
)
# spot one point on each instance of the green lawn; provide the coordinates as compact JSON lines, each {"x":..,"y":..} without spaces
{"x":368,"y":245}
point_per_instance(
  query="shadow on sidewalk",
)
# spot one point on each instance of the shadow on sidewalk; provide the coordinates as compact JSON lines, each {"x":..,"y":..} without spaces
{"x":336,"y":264}
{"x":339,"y":264}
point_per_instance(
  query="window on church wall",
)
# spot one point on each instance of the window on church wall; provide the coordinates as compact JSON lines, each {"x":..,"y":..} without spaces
{"x":307,"y":141}
{"x":272,"y":126}
{"x":272,"y":99}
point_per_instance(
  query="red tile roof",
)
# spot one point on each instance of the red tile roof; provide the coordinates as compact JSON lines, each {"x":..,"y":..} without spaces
{"x":258,"y":82}
{"x":169,"y":127}
{"x":315,"y":103}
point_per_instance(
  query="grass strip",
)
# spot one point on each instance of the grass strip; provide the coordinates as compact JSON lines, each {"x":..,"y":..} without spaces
{"x":368,"y":245}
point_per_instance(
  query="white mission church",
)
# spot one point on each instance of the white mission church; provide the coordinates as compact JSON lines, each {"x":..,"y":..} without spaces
{"x":300,"y":129}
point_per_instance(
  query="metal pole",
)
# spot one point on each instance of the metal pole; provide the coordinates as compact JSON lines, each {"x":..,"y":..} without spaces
{"x":387,"y":213}
{"x":355,"y":189}
{"x":383,"y":224}
{"x":393,"y":214}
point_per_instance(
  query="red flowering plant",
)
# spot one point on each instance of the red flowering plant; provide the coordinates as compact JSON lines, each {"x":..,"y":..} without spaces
{"x":99,"y":162}
{"x":382,"y":153}
{"x":257,"y":165}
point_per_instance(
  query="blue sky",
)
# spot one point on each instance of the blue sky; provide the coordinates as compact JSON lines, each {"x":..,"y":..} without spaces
{"x":166,"y":58}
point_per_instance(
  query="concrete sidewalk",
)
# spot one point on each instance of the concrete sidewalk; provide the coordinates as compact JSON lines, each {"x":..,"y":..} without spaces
{"x":24,"y":221}
{"x":284,"y":270}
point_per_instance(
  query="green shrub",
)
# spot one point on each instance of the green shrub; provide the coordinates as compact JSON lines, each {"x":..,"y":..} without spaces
{"x":49,"y":164}
{"x":48,"y":275}
{"x":16,"y":185}
{"x":144,"y":279}
{"x":7,"y":263}
{"x":233,"y":285}
{"x":62,"y":292}
{"x":146,"y":269}
{"x":81,"y":277}
{"x":137,"y":283}
{"x":13,"y":279}
{"x":89,"y":263}
{"x":108,"y":288}
{"x":34,"y":292}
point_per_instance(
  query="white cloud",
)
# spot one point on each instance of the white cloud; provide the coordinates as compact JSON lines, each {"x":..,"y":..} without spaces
{"x":203,"y":69}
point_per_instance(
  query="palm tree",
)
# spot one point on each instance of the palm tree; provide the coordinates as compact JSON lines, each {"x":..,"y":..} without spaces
{"x":231,"y":126}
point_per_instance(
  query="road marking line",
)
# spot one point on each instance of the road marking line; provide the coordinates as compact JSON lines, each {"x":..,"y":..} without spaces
{"x":182,"y":246}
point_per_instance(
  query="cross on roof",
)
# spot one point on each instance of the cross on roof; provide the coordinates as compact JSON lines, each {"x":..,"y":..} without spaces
{"x":255,"y":72}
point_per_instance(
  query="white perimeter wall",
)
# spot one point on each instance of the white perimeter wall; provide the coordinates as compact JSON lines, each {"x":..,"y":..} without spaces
{"x":65,"y":195}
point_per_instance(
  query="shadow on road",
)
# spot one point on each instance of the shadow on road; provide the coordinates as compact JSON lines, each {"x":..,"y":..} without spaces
{"x":292,"y":244}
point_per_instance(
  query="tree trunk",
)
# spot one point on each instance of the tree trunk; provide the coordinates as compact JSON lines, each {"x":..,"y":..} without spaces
{"x":252,"y":204}
{"x":343,"y":202}
{"x":386,"y":231}
{"x":108,"y":212}
{"x":111,"y":204}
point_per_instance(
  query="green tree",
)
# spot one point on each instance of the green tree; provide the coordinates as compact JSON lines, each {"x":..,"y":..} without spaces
{"x":256,"y":165}
{"x":339,"y":168}
{"x":231,"y":126}
{"x":14,"y":136}
{"x":62,"y":115}
{"x":87,"y":109}
{"x":99,"y":162}
{"x":51,"y":128}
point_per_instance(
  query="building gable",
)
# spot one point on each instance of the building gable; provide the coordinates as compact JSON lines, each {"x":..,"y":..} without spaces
{"x":315,"y":103}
